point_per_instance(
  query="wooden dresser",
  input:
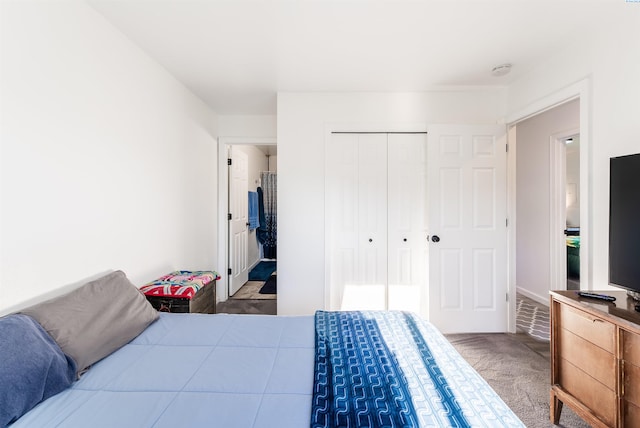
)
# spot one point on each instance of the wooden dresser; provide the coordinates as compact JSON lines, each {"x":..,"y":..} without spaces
{"x":595,"y":359}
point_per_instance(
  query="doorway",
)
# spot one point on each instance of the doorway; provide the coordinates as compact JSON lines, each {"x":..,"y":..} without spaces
{"x":243,"y":163}
{"x":548,"y":210}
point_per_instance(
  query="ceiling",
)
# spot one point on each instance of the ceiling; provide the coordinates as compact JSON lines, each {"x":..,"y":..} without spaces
{"x":237,"y":54}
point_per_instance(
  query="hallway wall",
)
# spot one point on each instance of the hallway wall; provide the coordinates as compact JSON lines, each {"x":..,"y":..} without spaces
{"x":533,"y":196}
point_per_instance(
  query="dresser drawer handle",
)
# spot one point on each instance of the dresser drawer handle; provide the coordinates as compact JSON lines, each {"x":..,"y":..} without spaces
{"x":597,"y":319}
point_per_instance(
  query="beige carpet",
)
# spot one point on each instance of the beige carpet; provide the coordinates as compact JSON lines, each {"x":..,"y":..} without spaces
{"x":246,"y":306}
{"x":251,"y":291}
{"x":511,"y":364}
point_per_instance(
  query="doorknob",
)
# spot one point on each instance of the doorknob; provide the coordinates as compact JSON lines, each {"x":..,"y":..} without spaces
{"x":435,"y":238}
{"x":370,"y":240}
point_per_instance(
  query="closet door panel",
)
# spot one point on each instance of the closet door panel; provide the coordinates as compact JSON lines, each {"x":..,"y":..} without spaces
{"x":341,"y":219}
{"x":407,"y":222}
{"x":372,"y":222}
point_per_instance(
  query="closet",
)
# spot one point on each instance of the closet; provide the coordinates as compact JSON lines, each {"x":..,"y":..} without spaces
{"x":376,"y":228}
{"x":419,"y":224}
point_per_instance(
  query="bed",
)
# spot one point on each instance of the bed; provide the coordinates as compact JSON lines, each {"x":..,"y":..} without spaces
{"x":330,"y":369}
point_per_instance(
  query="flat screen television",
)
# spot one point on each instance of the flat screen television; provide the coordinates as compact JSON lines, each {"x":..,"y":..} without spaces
{"x":624,"y":223}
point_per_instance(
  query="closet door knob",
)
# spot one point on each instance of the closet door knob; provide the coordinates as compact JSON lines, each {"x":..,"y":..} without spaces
{"x":405,"y":239}
{"x":435,"y":238}
{"x":370,"y":240}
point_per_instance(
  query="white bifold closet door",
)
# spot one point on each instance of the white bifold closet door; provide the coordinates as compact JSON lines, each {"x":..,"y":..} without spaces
{"x":376,"y":221}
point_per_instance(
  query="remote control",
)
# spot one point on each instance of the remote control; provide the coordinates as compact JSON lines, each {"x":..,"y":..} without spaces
{"x":596,"y":296}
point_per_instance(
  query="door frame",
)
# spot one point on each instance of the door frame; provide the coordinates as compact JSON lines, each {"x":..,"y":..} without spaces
{"x":558,"y":211}
{"x":579,"y":90}
{"x":223,"y":203}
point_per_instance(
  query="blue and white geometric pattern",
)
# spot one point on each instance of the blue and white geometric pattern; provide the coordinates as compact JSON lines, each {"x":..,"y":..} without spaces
{"x":393,"y":369}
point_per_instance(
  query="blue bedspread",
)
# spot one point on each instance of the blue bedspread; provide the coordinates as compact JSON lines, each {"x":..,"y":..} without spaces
{"x":392,"y":369}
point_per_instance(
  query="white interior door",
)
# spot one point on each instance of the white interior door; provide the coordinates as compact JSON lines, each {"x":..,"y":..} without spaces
{"x":407,"y":223}
{"x":467,"y":216}
{"x":239,"y":221}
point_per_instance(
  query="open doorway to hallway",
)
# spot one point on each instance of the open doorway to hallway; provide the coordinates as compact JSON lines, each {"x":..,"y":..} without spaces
{"x":248,"y":198}
{"x":548,"y":221}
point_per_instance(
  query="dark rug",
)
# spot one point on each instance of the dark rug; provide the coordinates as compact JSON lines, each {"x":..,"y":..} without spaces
{"x":271,"y":286}
{"x":262,"y":271}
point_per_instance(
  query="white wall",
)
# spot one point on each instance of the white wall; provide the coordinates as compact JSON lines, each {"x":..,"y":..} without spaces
{"x":247,"y":126}
{"x":304,"y":120}
{"x":107,"y":161}
{"x":573,"y":182}
{"x":612,"y":66}
{"x":273,"y":163}
{"x":533,"y":196}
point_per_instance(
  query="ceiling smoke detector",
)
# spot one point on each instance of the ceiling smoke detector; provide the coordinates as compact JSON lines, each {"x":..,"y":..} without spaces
{"x":501,"y":70}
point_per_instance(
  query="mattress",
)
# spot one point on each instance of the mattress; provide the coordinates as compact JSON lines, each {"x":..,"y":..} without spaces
{"x":196,"y":370}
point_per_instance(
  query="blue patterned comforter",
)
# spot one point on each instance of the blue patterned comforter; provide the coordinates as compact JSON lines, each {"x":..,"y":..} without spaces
{"x":392,"y":369}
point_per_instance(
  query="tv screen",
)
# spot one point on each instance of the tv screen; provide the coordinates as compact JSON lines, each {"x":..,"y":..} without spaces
{"x":624,"y":222}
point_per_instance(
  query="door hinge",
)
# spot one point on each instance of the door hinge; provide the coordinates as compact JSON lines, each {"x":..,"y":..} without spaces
{"x":229,"y":217}
{"x":506,"y":295}
{"x":506,"y":222}
{"x":506,"y":148}
{"x":229,"y":161}
{"x":229,"y":271}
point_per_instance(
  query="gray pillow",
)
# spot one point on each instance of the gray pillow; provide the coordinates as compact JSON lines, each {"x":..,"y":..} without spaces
{"x":96,"y":319}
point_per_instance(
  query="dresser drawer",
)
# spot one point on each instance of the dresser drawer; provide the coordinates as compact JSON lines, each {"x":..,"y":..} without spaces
{"x":591,"y":393}
{"x":591,"y":328}
{"x":630,"y":376}
{"x":631,"y":415}
{"x":591,"y":359}
{"x":631,"y":347}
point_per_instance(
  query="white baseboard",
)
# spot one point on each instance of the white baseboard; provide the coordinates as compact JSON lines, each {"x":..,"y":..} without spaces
{"x":540,"y":299}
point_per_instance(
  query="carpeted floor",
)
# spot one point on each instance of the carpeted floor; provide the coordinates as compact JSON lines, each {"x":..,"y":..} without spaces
{"x":251,"y":291}
{"x":248,"y":306}
{"x":517,"y":372}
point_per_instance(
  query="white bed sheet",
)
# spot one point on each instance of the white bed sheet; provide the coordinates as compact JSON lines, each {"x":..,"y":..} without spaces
{"x":192,"y":370}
